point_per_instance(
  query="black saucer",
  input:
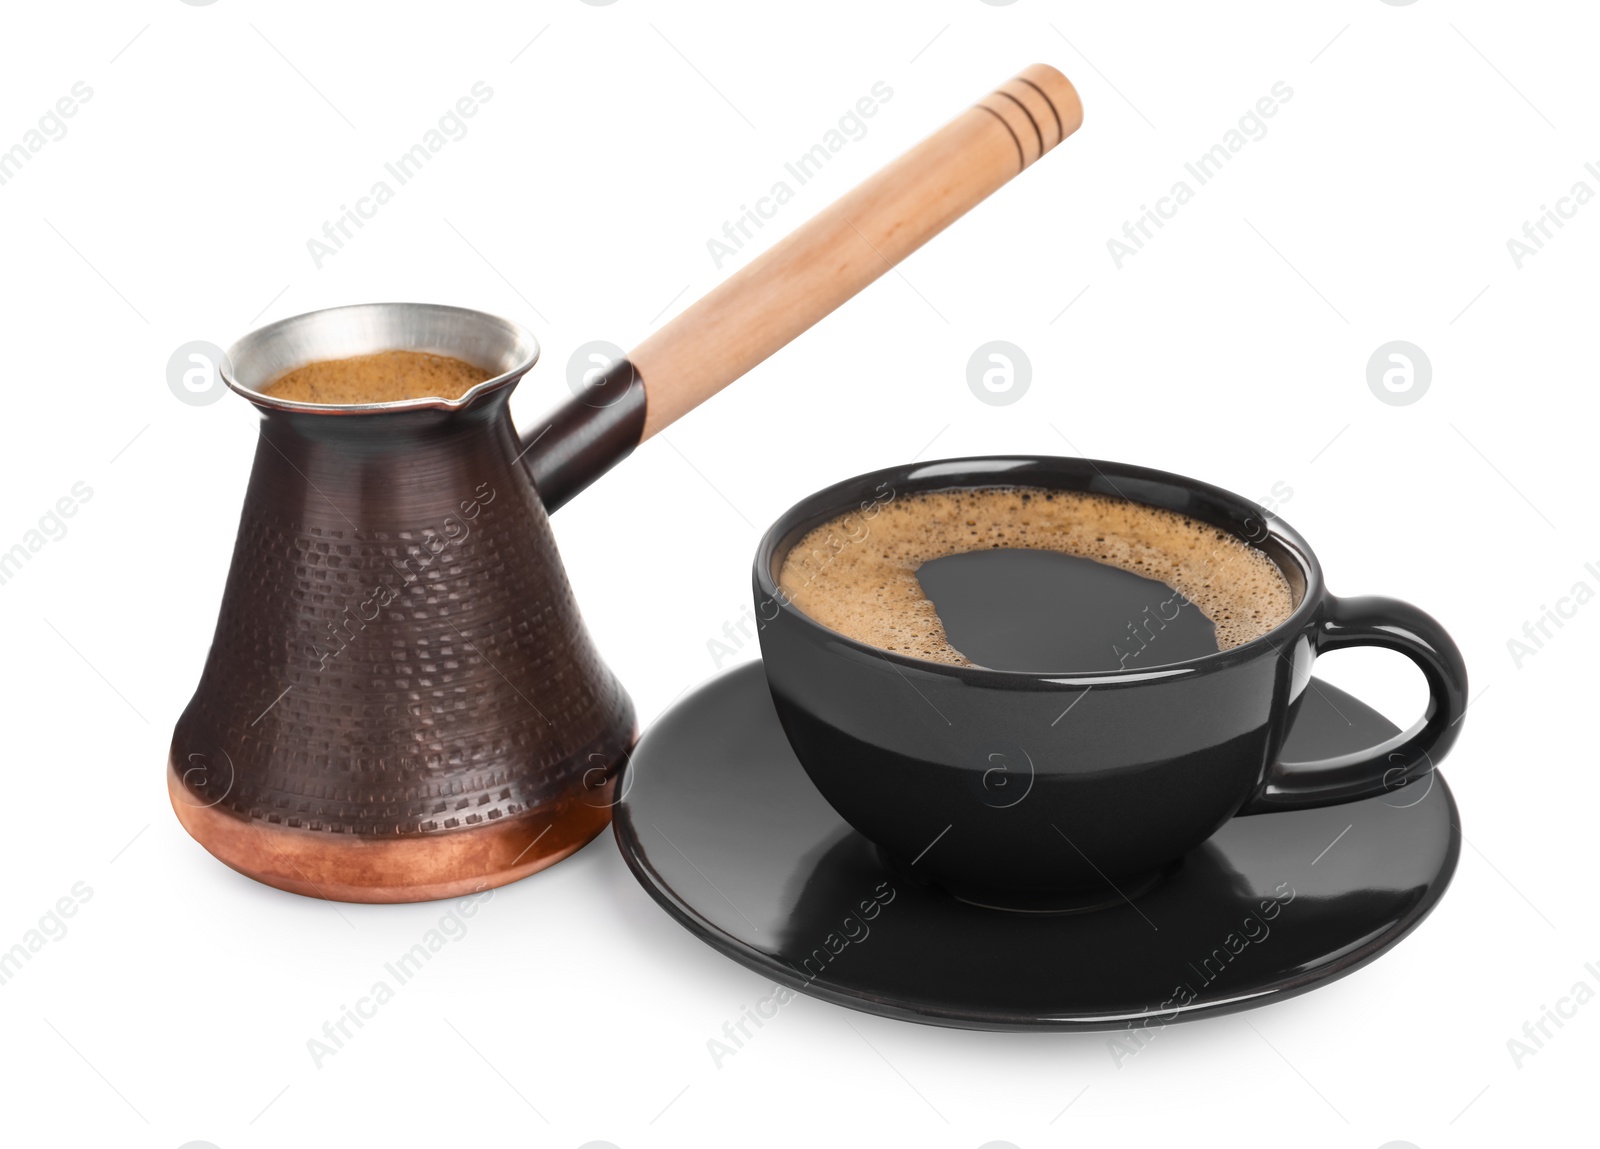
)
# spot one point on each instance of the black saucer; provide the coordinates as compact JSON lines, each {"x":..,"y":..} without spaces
{"x":723,"y":828}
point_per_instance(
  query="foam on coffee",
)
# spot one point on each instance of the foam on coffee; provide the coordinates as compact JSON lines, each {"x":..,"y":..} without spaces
{"x":385,"y":377}
{"x":857,"y":574}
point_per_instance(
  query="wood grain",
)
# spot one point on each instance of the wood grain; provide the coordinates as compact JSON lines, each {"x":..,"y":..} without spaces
{"x":852,"y":242}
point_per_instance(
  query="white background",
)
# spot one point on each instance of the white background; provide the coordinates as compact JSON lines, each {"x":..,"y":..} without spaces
{"x":217,"y":141}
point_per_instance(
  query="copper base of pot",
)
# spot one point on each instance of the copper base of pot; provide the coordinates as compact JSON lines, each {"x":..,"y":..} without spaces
{"x":345,"y":868}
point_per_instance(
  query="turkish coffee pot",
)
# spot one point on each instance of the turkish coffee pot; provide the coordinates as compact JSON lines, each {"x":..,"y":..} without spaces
{"x":401,"y":701}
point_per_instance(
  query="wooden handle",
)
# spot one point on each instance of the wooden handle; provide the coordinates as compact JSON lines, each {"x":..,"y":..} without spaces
{"x":852,"y":242}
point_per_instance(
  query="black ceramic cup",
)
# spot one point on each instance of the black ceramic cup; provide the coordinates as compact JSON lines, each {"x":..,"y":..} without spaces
{"x":1052,"y":792}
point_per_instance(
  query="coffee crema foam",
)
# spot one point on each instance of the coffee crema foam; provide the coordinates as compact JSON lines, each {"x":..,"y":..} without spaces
{"x":385,"y":377}
{"x":857,"y":573}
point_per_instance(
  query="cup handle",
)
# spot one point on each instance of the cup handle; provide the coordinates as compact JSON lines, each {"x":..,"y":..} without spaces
{"x":1372,"y":620}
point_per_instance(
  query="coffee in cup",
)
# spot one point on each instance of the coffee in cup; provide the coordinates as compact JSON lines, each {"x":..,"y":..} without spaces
{"x":1032,"y":579}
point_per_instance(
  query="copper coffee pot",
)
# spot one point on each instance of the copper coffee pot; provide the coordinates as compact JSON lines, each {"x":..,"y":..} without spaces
{"x":401,"y":701}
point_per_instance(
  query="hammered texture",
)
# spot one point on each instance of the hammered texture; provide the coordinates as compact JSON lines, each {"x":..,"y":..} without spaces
{"x":398,"y":650}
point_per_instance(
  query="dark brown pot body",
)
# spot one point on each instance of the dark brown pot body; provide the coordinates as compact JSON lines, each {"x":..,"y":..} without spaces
{"x":401,"y":701}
